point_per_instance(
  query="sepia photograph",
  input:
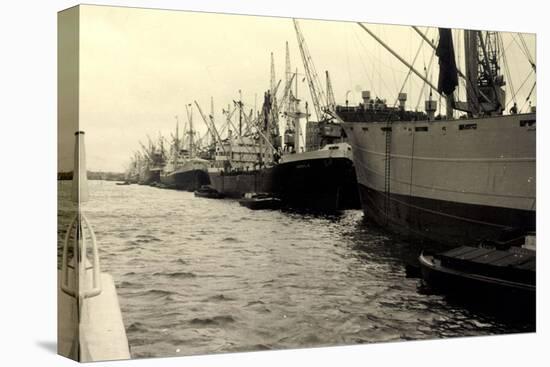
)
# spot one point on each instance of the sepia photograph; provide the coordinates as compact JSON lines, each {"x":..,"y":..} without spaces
{"x":236,"y":183}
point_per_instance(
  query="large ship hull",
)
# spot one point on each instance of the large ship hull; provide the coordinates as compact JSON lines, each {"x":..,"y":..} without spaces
{"x":318,"y":180}
{"x":189,"y":180}
{"x":236,"y":184}
{"x":148,"y":176}
{"x":454,"y":182}
{"x":153,"y":176}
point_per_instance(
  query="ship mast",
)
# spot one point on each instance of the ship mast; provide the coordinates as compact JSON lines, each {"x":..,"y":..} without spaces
{"x":288,"y":89}
{"x":211,"y":126}
{"x":240,"y":113}
{"x":177,"y":138}
{"x":485,"y":84}
{"x":473,"y":95}
{"x":189,"y":108}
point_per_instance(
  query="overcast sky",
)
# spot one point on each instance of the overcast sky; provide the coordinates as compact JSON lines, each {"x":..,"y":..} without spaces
{"x":140,"y":67}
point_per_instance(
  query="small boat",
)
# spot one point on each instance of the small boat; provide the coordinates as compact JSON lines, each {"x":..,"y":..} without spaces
{"x":256,"y":201}
{"x":492,"y":272}
{"x":207,"y":191}
{"x":123,"y":183}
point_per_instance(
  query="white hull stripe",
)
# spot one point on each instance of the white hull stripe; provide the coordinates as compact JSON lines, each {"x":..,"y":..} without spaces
{"x":441,"y":159}
{"x":436,"y":188}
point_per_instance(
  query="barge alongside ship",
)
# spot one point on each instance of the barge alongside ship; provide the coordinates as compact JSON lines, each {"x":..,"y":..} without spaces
{"x":493,"y":274}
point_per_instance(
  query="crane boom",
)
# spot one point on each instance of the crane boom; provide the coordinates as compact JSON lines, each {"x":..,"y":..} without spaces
{"x":212,"y":129}
{"x":249,"y":123}
{"x":331,"y":103}
{"x":315,"y":88}
{"x":286,"y":93}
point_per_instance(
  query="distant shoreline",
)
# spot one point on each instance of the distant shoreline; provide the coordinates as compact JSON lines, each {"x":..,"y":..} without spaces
{"x":107,"y":176}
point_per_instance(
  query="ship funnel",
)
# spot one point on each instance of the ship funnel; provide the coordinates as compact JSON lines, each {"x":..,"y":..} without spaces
{"x":402,"y":99}
{"x":366,"y":98}
{"x":80,"y":179}
{"x":430,"y":107}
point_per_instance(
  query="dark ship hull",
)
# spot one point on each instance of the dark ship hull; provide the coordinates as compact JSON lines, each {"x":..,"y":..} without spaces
{"x":439,"y":221}
{"x":153,"y":177}
{"x":190,"y":180}
{"x":148,"y":177}
{"x":322,"y":180}
{"x":454,"y":182}
{"x":236,"y":184}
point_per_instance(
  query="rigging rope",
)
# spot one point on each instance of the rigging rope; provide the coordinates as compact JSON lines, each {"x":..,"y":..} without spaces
{"x":410,"y":71}
{"x":524,"y":49}
{"x":521,"y":86}
{"x":507,"y":71}
{"x":529,"y":95}
{"x":531,"y":61}
{"x":422,"y":93}
{"x":374,"y":70}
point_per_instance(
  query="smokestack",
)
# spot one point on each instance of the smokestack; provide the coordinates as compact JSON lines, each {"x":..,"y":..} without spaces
{"x":430,"y":107}
{"x":402,"y":99}
{"x":366,"y":98}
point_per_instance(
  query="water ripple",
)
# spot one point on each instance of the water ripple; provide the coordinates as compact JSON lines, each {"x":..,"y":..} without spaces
{"x":198,"y":276}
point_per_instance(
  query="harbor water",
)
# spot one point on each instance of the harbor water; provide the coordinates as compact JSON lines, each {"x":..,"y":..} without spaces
{"x":197,"y":276}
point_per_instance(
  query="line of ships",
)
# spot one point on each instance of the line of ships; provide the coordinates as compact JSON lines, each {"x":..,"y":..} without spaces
{"x":450,"y":180}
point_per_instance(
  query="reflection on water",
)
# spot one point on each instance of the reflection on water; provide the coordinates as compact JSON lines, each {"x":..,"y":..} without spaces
{"x":199,"y":276}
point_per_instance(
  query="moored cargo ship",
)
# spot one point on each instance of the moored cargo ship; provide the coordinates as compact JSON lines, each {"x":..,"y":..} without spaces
{"x":183,"y":170}
{"x":235,"y":170}
{"x":315,"y":171}
{"x":451,"y":180}
{"x":235,"y":184}
{"x":322,"y":179}
{"x":318,"y":175}
{"x":189,"y":175}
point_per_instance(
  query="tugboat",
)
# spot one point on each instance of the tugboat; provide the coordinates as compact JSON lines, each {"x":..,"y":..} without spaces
{"x":207,"y":191}
{"x":258,"y":201}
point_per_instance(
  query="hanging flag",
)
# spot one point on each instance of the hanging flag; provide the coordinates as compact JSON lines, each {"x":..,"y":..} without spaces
{"x":448,"y":73}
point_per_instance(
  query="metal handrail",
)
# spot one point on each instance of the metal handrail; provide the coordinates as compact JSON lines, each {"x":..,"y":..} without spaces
{"x":79,"y":227}
{"x":79,"y":224}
